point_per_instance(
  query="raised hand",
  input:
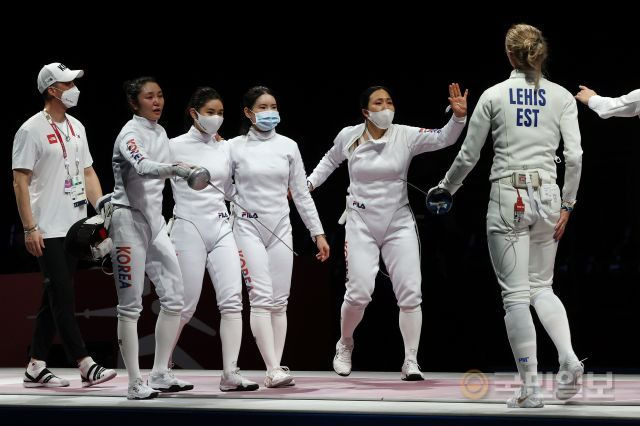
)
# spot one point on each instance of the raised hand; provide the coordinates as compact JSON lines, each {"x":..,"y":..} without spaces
{"x":457,"y":101}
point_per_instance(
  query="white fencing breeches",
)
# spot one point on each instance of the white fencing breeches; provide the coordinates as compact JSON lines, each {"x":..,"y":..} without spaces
{"x":265,"y":262}
{"x":211,"y":246}
{"x":523,"y":254}
{"x":398,"y":245}
{"x":136,"y":251}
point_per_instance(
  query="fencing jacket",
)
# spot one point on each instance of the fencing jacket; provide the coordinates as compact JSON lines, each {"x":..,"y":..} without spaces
{"x":526,"y":125}
{"x":141,"y":163}
{"x":265,"y":165}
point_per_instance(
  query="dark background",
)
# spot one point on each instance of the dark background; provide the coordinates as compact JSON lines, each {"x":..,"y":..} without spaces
{"x":318,"y":71}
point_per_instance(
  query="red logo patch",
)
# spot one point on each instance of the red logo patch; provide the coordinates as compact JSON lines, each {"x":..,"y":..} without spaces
{"x":52,"y":139}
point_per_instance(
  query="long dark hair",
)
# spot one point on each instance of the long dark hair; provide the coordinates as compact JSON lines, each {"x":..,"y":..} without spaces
{"x":249,"y":100}
{"x":132,"y":89}
{"x":201,"y":96}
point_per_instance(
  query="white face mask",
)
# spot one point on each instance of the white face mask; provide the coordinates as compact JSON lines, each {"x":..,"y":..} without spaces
{"x":69,"y":97}
{"x":382,"y":119}
{"x":209,"y":123}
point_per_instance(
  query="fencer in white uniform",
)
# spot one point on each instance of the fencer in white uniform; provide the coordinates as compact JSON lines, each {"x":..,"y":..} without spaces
{"x":201,"y":232}
{"x":378,"y":217}
{"x":527,"y":115}
{"x":625,"y":106}
{"x":265,"y":165}
{"x":141,"y":163}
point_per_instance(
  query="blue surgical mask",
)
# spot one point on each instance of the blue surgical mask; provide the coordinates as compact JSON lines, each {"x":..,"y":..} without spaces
{"x":267,"y":120}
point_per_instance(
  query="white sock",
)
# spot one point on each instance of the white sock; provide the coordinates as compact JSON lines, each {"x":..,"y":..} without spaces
{"x":183,"y":322}
{"x":553,"y":317}
{"x":260,"y":320}
{"x":350,"y":317}
{"x":522,"y":338}
{"x":36,"y":367}
{"x":410,"y":326}
{"x":128,"y":342}
{"x":85,"y":364}
{"x":230,"y":337}
{"x":167,"y":327}
{"x":279,"y":324}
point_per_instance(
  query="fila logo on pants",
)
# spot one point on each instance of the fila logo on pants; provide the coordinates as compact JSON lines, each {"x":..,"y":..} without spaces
{"x":123,"y":263}
{"x":245,"y":271}
{"x":359,"y":205}
{"x":250,"y":215}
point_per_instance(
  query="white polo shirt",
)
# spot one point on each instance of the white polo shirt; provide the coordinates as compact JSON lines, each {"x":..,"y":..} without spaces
{"x":36,"y":147}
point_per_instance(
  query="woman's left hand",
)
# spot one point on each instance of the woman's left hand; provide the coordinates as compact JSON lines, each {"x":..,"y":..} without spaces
{"x":558,"y":231}
{"x":323,"y":247}
{"x":457,"y":101}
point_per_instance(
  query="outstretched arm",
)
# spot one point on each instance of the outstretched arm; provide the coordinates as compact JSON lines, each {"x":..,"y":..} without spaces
{"x":434,"y":139}
{"x":624,"y":106}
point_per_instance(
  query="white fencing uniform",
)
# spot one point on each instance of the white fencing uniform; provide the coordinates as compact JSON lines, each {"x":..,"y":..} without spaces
{"x":624,"y":106}
{"x":201,"y":232}
{"x":379,"y":219}
{"x":202,"y":237}
{"x":141,"y":163}
{"x":526,"y":125}
{"x":265,"y":165}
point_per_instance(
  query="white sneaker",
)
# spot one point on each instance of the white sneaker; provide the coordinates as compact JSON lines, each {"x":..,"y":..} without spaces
{"x":569,"y":379}
{"x":233,"y":381}
{"x":411,"y":371}
{"x":342,"y":360}
{"x":286,"y":370}
{"x":166,"y":382}
{"x":38,"y":375}
{"x":97,"y":374}
{"x":138,"y":390}
{"x":526,"y":398}
{"x":277,"y":377}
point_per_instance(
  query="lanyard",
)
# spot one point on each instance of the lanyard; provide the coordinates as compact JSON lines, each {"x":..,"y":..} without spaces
{"x":64,"y":149}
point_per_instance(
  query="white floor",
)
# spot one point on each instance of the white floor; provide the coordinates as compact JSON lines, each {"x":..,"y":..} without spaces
{"x":319,"y":406}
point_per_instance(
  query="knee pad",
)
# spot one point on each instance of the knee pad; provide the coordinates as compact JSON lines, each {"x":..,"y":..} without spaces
{"x":281,"y":309}
{"x":361,"y":304}
{"x":129,"y":313}
{"x":260,"y":311}
{"x":511,"y":299}
{"x":127,"y":319}
{"x":231,"y":315}
{"x":539,"y":291}
{"x":515,"y":306}
{"x":411,"y":310}
{"x":168,"y":311}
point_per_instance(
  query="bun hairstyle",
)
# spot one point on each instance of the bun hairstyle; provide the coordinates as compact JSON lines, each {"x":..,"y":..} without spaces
{"x":528,"y":49}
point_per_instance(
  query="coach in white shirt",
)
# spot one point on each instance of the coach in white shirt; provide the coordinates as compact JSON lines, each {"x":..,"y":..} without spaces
{"x":53,"y":179}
